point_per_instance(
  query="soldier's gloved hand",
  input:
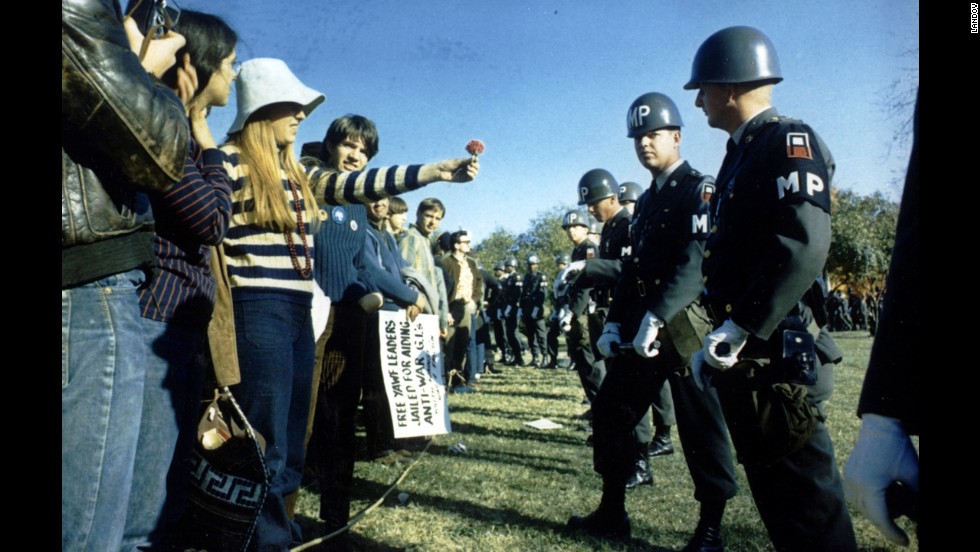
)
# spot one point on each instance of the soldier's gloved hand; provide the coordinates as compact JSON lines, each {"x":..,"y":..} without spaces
{"x":569,"y":271}
{"x":509,"y":309}
{"x":700,"y":371}
{"x":646,"y":335}
{"x":520,"y":312}
{"x":565,"y":319}
{"x":610,"y":336}
{"x":728,"y":333}
{"x":500,"y":314}
{"x":883,"y":454}
{"x":534,"y":313}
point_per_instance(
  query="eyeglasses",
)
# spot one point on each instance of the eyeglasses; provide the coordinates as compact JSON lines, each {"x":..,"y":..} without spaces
{"x":161,"y":17}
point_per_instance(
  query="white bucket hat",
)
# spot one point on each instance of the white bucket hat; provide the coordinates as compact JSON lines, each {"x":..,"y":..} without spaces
{"x":266,"y":81}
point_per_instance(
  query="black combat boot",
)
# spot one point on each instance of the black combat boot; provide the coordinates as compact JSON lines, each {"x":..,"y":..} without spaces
{"x":661,"y":444}
{"x":641,"y":470}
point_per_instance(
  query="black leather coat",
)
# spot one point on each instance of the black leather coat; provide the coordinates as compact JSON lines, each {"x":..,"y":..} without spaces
{"x":123,"y":133}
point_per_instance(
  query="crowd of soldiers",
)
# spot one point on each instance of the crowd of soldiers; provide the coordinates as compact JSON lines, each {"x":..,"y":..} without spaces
{"x":702,"y":305}
{"x":853,"y":311}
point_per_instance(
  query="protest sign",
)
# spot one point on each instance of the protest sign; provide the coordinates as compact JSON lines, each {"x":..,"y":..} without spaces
{"x":413,"y":372}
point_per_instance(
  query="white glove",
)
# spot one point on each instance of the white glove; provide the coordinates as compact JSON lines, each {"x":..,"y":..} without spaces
{"x":569,"y":271}
{"x":610,"y":335}
{"x":507,"y":312}
{"x":534,"y":313}
{"x":565,"y":319}
{"x":500,"y":314}
{"x":520,"y":312}
{"x":883,"y":454}
{"x":647,"y":335}
{"x":729,"y":333}
{"x":700,"y":371}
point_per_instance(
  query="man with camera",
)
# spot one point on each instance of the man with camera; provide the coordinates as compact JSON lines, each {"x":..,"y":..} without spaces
{"x":123,"y":133}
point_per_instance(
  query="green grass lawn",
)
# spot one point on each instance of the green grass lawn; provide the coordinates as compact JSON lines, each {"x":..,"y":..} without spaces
{"x":516,"y":486}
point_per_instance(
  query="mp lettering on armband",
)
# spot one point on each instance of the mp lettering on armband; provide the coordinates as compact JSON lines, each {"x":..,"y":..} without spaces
{"x":699,"y":223}
{"x":813,"y":184}
{"x":626,"y":251}
{"x":804,"y":185}
{"x":699,"y":219}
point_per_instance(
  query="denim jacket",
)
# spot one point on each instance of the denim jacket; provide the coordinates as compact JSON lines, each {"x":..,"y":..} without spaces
{"x":123,"y":133}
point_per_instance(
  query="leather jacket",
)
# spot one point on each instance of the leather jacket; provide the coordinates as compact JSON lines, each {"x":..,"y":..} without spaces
{"x":123,"y":133}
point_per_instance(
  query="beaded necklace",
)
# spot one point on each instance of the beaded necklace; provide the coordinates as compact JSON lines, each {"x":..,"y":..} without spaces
{"x":308,"y":270}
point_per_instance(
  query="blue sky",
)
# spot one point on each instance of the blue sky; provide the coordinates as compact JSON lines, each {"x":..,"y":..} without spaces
{"x":546,"y":84}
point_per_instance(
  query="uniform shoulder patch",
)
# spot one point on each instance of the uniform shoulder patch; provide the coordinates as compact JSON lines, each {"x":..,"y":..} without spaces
{"x":798,"y":145}
{"x":590,"y":253}
{"x":706,"y":189}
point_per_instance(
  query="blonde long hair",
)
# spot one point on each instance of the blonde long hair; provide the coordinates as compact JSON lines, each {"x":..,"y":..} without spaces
{"x":263,"y":179}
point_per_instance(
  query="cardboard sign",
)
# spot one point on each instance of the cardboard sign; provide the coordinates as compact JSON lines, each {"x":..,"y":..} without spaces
{"x":415,"y":379}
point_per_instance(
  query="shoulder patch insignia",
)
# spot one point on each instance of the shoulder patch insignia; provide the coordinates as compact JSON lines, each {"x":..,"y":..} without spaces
{"x":590,"y":253}
{"x":707,"y":190}
{"x":798,"y":145}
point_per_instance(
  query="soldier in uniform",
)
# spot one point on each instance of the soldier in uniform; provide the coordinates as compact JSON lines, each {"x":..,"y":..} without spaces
{"x":599,"y":190}
{"x":511,"y":297}
{"x":629,"y":193}
{"x":891,"y":396}
{"x":496,"y":310}
{"x":590,"y":369}
{"x":595,"y":230}
{"x":663,"y":403}
{"x":554,"y":321}
{"x":656,"y":299}
{"x":768,"y":243}
{"x":531,"y":310}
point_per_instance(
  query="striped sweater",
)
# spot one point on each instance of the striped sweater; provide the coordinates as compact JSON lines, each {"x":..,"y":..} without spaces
{"x":191,"y":216}
{"x":259,"y":262}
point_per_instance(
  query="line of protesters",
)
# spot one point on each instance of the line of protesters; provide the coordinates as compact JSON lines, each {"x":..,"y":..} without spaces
{"x":184,"y":262}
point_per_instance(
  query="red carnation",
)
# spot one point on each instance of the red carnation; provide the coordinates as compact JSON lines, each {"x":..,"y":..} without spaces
{"x":474,"y":147}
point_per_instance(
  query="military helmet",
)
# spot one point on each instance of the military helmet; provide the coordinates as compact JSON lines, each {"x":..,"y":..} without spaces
{"x":511,"y":261}
{"x":649,"y":112}
{"x":563,"y":258}
{"x":595,"y":227}
{"x":578,"y":217}
{"x":499,"y":265}
{"x":595,"y":185}
{"x":734,"y":55}
{"x":533,"y":259}
{"x":629,"y":191}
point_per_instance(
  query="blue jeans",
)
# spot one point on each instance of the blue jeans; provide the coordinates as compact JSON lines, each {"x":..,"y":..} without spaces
{"x":275,"y":356}
{"x":171,"y":403}
{"x":102,"y":365}
{"x":475,"y":353}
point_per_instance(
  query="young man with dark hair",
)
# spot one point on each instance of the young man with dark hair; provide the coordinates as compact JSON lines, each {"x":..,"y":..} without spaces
{"x":466,"y":294}
{"x":351,"y":333}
